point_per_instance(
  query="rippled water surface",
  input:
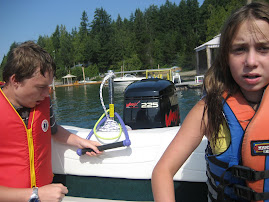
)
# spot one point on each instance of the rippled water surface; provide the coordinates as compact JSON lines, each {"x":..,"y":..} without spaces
{"x":80,"y":105}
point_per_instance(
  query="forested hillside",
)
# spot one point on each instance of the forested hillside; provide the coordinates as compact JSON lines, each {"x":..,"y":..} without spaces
{"x":164,"y":36}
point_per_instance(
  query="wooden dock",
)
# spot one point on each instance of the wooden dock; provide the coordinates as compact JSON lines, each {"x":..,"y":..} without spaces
{"x":76,"y":84}
{"x":182,"y":85}
{"x":189,"y":85}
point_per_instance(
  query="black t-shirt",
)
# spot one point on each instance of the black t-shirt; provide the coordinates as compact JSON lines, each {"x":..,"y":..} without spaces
{"x":24,"y":113}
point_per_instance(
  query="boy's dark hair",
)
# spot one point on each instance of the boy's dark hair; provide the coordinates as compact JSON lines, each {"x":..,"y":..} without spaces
{"x":25,"y":59}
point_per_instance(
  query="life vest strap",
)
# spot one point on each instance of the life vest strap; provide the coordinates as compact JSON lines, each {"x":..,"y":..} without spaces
{"x":214,"y":176}
{"x":249,"y":174}
{"x":211,"y":197}
{"x":226,"y":198}
{"x":217,"y":177}
{"x":222,"y":196}
{"x":249,"y":194}
{"x":217,"y":162}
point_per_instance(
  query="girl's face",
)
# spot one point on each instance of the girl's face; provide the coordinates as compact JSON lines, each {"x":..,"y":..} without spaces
{"x":249,"y":57}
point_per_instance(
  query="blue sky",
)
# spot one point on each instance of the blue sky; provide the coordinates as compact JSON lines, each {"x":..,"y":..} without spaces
{"x":22,"y":20}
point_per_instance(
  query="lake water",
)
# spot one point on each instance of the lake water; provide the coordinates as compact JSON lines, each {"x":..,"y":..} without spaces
{"x":80,"y":106}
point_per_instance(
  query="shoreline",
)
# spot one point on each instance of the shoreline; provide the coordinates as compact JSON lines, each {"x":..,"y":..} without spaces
{"x":185,"y":74}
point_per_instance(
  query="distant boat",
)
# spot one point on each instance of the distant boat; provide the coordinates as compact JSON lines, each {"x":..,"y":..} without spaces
{"x":85,"y":82}
{"x":128,"y":78}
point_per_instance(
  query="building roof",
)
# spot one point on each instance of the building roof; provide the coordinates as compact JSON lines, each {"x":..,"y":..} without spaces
{"x":213,"y":43}
{"x":68,"y":76}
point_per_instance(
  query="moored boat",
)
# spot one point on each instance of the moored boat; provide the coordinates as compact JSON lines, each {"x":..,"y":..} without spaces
{"x":128,"y":78}
{"x":124,"y":173}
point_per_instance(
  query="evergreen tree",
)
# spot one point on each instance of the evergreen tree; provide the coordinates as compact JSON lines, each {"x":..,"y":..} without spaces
{"x":101,"y":31}
{"x":46,"y":43}
{"x":4,"y":61}
{"x":117,"y":43}
{"x":218,"y":16}
{"x":152,"y":26}
{"x":83,"y":29}
{"x":56,"y":39}
{"x":80,"y":41}
{"x":165,"y":36}
{"x":66,"y":48}
{"x":141,"y":38}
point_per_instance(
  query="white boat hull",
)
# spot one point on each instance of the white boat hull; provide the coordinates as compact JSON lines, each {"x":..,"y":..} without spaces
{"x":134,"y":162}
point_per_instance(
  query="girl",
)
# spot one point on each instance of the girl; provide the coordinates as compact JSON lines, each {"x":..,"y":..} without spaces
{"x":232,"y":116}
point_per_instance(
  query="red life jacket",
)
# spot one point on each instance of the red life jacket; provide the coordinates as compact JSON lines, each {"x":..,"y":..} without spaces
{"x":25,"y":151}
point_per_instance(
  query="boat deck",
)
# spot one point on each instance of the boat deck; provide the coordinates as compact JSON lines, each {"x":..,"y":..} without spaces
{"x":78,"y":199}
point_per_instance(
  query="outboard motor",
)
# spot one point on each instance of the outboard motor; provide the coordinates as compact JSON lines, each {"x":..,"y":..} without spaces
{"x":151,"y":103}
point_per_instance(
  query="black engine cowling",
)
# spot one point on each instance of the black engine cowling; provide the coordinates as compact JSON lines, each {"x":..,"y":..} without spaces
{"x":151,"y":103}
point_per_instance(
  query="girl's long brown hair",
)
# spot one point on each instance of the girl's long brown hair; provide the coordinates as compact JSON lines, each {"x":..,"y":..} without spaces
{"x":218,"y":78}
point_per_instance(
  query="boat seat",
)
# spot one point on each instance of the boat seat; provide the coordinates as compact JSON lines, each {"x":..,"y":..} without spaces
{"x":176,"y":76}
{"x":199,"y":79}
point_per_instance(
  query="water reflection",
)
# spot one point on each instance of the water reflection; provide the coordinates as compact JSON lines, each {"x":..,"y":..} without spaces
{"x":80,"y":105}
{"x":187,"y":99}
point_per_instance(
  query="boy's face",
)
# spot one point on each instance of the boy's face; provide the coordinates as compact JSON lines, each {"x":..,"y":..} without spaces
{"x":32,"y":91}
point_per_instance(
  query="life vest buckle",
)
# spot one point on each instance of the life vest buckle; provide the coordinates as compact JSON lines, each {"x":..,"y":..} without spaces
{"x":245,"y":192}
{"x":243,"y":172}
{"x":249,"y":194}
{"x":249,"y":174}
